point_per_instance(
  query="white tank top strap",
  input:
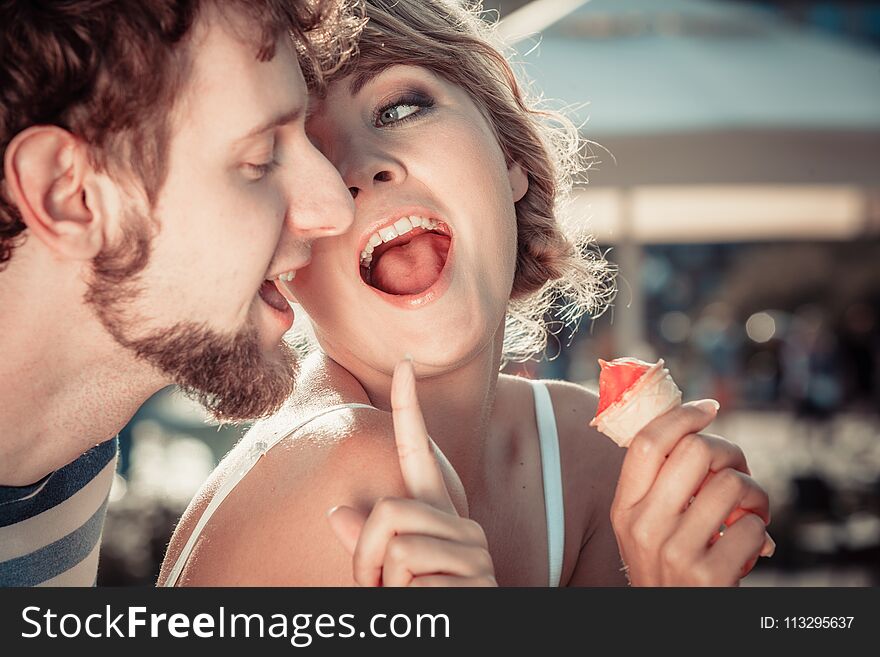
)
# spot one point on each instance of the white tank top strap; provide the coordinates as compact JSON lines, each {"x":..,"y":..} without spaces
{"x":551,"y":468}
{"x":258,"y":449}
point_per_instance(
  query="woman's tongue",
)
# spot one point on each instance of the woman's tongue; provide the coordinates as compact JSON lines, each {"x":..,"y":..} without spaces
{"x":412,"y":267}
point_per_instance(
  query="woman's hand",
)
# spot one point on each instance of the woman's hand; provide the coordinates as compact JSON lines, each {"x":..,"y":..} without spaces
{"x":419,"y":540}
{"x":676,"y":489}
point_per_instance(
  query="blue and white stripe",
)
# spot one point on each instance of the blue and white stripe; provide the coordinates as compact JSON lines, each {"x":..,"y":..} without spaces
{"x":50,"y":532}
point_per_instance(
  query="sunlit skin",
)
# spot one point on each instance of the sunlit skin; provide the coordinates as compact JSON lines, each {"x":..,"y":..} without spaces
{"x":246,"y":193}
{"x":437,"y":152}
{"x":224,"y":224}
{"x":441,"y":160}
{"x":446,"y":160}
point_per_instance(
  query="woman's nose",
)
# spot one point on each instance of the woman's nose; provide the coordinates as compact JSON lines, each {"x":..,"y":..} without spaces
{"x":380,"y":176}
{"x":367,"y":165}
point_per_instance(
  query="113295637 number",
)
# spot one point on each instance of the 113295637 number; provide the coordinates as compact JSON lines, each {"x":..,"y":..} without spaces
{"x":817,"y":622}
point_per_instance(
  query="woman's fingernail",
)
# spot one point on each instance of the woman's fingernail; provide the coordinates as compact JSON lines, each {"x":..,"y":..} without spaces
{"x":708,"y":406}
{"x":769,"y":548}
{"x":403,"y":384}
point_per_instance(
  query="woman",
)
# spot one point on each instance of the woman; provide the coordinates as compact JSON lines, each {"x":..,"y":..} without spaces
{"x":454,"y":258}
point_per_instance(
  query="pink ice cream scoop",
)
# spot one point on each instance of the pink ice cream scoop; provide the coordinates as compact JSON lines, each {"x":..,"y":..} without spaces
{"x":631,"y":394}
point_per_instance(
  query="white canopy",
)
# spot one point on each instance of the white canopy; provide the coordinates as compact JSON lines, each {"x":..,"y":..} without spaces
{"x":778,"y":125}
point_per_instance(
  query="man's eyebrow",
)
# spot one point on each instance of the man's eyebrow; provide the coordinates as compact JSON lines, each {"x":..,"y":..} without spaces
{"x":274,"y":122}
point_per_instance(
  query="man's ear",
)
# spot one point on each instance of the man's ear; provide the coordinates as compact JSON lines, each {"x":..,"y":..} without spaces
{"x":45,"y":169}
{"x":519,"y":181}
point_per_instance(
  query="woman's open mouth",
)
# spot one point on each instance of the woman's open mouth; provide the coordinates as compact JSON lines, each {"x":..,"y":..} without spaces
{"x":406,"y":257}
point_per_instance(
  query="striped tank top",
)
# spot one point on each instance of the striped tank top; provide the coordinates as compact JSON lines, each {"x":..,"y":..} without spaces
{"x":50,"y":531}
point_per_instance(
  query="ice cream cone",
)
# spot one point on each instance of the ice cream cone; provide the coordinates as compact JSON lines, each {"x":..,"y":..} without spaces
{"x":651,"y":396}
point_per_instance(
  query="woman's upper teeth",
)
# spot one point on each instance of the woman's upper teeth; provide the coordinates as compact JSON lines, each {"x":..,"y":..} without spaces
{"x":398,"y":228}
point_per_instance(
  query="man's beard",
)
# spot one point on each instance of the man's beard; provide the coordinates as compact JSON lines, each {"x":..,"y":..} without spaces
{"x":229,"y":375}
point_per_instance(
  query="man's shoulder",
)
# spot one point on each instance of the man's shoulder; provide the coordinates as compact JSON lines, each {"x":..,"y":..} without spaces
{"x":20,"y":502}
{"x":50,"y":530}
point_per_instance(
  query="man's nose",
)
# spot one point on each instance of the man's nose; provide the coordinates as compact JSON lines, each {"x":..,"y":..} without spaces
{"x":321,"y":205}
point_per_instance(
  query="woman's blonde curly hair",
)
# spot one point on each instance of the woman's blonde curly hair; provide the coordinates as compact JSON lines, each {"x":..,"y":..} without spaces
{"x":558,"y":265}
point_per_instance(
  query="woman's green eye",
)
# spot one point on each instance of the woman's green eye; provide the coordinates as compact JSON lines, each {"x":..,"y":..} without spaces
{"x":396,"y":113}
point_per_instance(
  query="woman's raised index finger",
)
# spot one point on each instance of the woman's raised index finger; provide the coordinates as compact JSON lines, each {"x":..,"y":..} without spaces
{"x":421,"y":473}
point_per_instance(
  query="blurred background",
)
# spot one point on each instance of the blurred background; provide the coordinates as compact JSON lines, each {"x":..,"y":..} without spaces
{"x":736,"y":185}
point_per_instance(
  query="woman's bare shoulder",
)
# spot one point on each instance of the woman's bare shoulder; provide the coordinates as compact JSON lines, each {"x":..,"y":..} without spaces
{"x":591,"y":461}
{"x":591,"y":468}
{"x":575,"y":406}
{"x":272,"y":528}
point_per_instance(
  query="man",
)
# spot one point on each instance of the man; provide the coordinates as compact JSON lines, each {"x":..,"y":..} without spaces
{"x":157,"y":190}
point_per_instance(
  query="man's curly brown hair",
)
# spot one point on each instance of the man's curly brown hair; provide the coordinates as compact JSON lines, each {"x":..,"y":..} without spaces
{"x":108,"y":71}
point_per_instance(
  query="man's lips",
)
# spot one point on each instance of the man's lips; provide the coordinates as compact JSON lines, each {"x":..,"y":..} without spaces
{"x":270,"y":294}
{"x":281,"y":281}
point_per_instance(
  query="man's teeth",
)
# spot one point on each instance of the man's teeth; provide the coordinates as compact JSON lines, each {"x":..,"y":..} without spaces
{"x":287,"y":276}
{"x":399,"y":227}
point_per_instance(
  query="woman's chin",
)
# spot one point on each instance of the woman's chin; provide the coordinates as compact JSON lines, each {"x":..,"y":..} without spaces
{"x":433,"y":357}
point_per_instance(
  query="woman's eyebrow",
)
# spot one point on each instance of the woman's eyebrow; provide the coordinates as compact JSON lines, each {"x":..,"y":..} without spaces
{"x":360,"y":79}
